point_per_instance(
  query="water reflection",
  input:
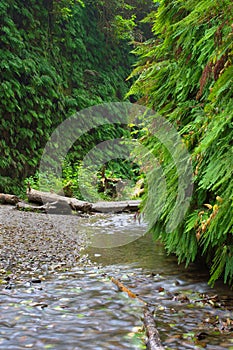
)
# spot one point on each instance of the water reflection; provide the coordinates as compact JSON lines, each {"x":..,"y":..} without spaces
{"x":108,"y":230}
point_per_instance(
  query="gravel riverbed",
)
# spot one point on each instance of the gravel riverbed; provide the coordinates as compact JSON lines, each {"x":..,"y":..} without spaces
{"x":33,"y":245}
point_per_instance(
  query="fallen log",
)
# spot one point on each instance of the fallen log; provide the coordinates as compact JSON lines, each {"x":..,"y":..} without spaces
{"x":8,"y":199}
{"x":153,"y":342}
{"x":39,"y":197}
{"x":116,"y":207}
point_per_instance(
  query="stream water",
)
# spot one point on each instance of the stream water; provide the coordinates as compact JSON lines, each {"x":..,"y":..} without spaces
{"x":82,"y":309}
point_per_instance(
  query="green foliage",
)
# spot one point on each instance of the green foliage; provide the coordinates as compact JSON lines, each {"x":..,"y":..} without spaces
{"x":124,"y":27}
{"x":122,"y":20}
{"x":185,"y":72}
{"x":55,"y":60}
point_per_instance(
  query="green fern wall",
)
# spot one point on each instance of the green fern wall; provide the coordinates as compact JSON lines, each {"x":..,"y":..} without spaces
{"x":55,"y":60}
{"x":185,"y":72}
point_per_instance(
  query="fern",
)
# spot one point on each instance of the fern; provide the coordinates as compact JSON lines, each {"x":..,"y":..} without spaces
{"x":219,"y":263}
{"x":185,"y":72}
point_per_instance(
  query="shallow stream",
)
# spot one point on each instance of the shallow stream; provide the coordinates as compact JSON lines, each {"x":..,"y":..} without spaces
{"x":82,"y":309}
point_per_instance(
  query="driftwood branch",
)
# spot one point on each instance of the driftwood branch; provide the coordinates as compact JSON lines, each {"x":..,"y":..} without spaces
{"x":207,"y":298}
{"x":123,"y":288}
{"x":154,"y":342}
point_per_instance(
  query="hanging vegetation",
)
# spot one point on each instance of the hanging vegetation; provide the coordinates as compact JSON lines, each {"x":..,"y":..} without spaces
{"x":185,"y":72}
